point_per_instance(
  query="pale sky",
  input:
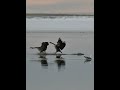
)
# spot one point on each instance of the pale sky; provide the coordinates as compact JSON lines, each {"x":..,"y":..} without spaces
{"x":60,"y":6}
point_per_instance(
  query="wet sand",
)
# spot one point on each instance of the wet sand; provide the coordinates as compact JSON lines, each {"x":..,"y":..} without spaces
{"x":65,"y":72}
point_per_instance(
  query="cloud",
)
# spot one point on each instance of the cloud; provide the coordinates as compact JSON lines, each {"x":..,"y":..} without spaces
{"x":60,"y":6}
{"x":41,"y":2}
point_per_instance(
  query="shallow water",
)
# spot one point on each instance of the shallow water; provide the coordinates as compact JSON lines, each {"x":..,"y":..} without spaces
{"x":71,"y":72}
{"x":81,"y":23}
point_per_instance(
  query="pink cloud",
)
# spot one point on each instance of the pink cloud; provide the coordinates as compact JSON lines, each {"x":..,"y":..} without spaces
{"x":42,"y":2}
{"x":62,"y":6}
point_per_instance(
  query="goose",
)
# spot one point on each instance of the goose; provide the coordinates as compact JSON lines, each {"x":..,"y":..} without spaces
{"x":43,"y":47}
{"x":59,"y":46}
{"x":56,"y":47}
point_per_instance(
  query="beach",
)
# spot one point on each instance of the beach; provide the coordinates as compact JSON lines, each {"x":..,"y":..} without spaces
{"x":68,"y":71}
{"x":72,"y":74}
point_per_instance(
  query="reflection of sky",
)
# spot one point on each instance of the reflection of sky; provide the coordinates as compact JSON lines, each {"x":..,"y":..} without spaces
{"x":60,"y":24}
{"x":60,"y":6}
{"x":75,"y":76}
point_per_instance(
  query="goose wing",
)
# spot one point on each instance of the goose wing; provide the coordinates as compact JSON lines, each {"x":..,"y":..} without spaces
{"x":62,"y":45}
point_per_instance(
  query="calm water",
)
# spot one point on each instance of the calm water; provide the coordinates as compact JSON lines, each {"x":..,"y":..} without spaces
{"x":51,"y":73}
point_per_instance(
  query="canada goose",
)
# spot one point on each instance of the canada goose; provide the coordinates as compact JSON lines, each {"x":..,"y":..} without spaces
{"x":59,"y":46}
{"x":56,"y":47}
{"x":43,"y":47}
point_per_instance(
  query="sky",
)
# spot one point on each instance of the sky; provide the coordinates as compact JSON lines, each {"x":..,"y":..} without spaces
{"x":60,"y":6}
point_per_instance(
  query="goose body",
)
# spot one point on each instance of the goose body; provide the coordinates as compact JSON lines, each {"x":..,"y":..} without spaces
{"x":43,"y":47}
{"x":59,"y":46}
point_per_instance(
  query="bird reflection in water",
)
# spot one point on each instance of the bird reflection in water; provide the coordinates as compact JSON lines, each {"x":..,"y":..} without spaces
{"x":43,"y":61}
{"x":60,"y":62}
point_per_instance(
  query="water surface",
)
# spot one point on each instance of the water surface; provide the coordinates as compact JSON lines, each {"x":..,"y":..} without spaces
{"x":70,"y":72}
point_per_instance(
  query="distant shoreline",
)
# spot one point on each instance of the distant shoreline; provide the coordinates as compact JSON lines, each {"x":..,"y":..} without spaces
{"x":59,"y":31}
{"x":44,"y":14}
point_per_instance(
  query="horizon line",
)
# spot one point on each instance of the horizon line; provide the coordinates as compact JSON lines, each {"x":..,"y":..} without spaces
{"x":57,"y":31}
{"x":60,"y":14}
